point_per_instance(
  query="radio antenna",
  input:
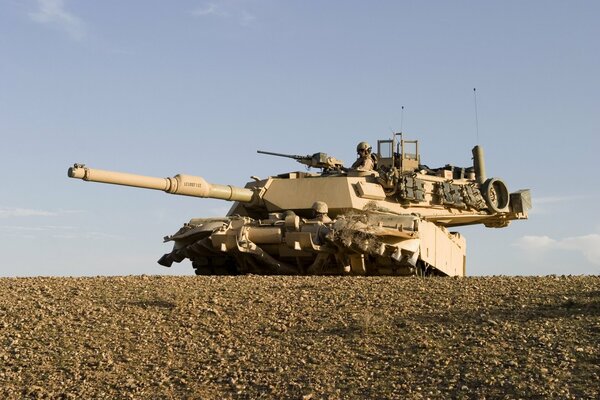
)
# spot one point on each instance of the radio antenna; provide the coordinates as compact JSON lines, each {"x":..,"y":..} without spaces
{"x":401,"y":118}
{"x":476,"y":119}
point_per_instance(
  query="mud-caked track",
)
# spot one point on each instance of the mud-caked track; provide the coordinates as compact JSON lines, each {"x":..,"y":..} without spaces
{"x":299,"y":337}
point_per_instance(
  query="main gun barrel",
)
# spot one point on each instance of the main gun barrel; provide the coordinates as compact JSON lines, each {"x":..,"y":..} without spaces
{"x":185,"y":185}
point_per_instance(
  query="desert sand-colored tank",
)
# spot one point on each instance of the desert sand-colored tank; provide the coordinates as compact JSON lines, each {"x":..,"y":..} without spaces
{"x":389,"y":215}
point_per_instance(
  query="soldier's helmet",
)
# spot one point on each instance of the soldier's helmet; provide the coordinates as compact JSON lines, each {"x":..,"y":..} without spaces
{"x":363,"y":146}
{"x":320,"y":207}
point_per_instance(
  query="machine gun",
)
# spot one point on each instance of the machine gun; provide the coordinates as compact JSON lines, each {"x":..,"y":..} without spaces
{"x":317,"y":160}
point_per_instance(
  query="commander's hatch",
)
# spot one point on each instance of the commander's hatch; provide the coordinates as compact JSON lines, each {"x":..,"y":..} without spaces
{"x":397,"y":152}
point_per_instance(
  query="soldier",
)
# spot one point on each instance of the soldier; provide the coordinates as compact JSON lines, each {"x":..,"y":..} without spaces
{"x":320,"y":211}
{"x":365,"y":160}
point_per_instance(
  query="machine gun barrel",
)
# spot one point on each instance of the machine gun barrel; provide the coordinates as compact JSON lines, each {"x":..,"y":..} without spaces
{"x":185,"y":185}
{"x":317,"y":160}
{"x":295,"y":157}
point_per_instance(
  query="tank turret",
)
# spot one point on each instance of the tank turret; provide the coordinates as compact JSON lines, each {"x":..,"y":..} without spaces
{"x":392,"y":219}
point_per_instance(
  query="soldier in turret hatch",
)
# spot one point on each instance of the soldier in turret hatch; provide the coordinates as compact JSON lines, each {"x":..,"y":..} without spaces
{"x":365,"y":160}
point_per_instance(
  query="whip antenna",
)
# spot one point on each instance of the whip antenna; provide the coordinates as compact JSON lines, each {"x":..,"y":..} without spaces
{"x":401,"y":118}
{"x":476,"y":119}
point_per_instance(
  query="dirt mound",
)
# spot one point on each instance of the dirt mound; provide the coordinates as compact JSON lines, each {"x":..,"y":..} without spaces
{"x":299,"y":337}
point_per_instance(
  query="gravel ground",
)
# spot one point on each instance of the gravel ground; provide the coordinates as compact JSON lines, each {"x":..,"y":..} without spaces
{"x":250,"y":337}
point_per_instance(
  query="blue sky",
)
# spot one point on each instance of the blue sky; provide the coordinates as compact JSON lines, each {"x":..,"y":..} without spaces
{"x":159,"y":88}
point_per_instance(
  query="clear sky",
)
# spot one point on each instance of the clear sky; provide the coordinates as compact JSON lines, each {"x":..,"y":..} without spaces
{"x":159,"y":88}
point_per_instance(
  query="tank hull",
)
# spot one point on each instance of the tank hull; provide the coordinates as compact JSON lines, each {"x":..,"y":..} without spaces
{"x":355,"y":243}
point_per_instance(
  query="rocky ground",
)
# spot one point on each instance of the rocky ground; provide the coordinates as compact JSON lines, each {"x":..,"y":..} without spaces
{"x":252,"y":337}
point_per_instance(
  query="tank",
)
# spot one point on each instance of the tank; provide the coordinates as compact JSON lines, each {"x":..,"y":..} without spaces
{"x":395,"y":216}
